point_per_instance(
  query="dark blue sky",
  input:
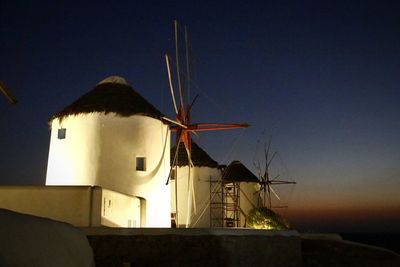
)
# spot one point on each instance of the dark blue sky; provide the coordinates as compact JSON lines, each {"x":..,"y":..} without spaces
{"x":322,"y":78}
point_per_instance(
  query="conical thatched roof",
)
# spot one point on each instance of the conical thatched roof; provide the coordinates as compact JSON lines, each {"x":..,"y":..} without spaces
{"x":112,"y":95}
{"x":237,"y":172}
{"x":200,"y":158}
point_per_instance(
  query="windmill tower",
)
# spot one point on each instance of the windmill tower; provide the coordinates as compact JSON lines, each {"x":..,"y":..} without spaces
{"x":113,"y":138}
{"x":233,"y":196}
{"x":184,"y":127}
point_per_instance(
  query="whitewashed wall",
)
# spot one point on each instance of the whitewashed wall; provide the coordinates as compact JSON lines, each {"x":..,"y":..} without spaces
{"x":200,"y":216}
{"x":75,"y":159}
{"x":248,"y":199}
{"x":119,"y":210}
{"x":101,"y":150}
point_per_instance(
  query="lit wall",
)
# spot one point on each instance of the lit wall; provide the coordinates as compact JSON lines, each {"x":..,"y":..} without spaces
{"x":101,"y":150}
{"x":200,"y":209}
{"x":248,"y":199}
{"x":120,"y":210}
{"x":75,"y":159}
{"x":76,"y":205}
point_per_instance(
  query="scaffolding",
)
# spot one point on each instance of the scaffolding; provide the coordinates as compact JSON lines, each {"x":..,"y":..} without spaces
{"x":224,"y":204}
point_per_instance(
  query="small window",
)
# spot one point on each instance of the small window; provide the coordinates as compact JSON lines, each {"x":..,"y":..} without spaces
{"x":61,"y":133}
{"x":140,"y":163}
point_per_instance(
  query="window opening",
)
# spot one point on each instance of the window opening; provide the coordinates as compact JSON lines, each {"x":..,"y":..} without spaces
{"x":140,"y":163}
{"x":61,"y":133}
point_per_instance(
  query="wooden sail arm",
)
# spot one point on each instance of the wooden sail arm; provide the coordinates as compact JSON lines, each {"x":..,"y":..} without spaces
{"x":203,"y":127}
{"x":274,"y":182}
{"x":282,"y":182}
{"x":7,"y":93}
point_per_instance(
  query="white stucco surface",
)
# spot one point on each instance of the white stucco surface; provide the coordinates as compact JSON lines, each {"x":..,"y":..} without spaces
{"x":81,"y":206}
{"x":101,"y":149}
{"x":120,"y":210}
{"x":199,"y":212}
{"x":75,"y":159}
{"x":248,"y":199}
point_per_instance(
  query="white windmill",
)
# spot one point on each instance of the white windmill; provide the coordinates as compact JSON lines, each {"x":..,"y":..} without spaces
{"x":114,"y":138}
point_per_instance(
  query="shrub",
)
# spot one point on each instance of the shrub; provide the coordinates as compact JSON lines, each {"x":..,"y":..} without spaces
{"x":264,"y":218}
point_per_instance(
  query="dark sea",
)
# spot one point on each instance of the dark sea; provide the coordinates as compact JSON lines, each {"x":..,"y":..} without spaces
{"x":385,"y":240}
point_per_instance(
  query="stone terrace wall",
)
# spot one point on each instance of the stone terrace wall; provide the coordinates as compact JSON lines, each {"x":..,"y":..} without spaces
{"x":194,"y":247}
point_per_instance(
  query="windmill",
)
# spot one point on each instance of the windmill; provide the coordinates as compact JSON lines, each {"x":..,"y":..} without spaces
{"x":266,"y":182}
{"x":7,"y":93}
{"x":182,"y":124}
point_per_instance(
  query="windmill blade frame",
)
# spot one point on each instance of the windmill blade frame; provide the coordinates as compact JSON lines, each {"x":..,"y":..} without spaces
{"x":274,"y":192}
{"x":170,"y":83}
{"x":177,"y":64}
{"x":7,"y":93}
{"x":173,"y":163}
{"x":182,"y":124}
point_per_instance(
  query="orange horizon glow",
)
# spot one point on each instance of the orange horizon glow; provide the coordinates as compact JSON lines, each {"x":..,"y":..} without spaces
{"x":378,"y":218}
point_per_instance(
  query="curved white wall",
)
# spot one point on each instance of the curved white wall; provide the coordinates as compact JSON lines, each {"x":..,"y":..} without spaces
{"x":74,"y":160}
{"x":248,"y":199}
{"x":199,"y":217}
{"x":101,"y":150}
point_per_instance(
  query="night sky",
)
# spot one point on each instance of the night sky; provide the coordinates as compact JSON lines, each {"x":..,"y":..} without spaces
{"x":321,"y":78}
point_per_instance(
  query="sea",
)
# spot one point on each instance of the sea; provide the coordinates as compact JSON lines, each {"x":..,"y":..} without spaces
{"x":389,"y":241}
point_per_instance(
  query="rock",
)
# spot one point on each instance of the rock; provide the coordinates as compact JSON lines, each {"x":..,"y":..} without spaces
{"x":33,"y":241}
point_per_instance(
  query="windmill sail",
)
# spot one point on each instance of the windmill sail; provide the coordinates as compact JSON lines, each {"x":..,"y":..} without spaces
{"x":182,"y":125}
{"x":7,"y":93}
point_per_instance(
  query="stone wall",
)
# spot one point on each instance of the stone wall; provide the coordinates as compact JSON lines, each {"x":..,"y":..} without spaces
{"x":194,"y":247}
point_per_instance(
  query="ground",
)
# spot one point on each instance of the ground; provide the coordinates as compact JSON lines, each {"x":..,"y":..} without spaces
{"x":320,"y":251}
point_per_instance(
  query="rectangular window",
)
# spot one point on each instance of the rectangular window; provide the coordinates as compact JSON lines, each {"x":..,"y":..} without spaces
{"x":140,"y":163}
{"x":61,"y":133}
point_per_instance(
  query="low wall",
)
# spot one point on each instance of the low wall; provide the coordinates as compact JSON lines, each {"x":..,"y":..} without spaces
{"x":77,"y":205}
{"x":194,"y":247}
{"x":81,"y":206}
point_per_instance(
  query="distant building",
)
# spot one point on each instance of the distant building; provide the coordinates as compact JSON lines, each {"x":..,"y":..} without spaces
{"x":238,"y":191}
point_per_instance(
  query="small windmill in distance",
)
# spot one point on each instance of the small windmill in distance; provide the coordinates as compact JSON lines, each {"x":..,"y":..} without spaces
{"x":7,"y":93}
{"x":266,"y":182}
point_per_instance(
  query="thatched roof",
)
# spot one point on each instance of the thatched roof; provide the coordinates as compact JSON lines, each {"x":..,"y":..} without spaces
{"x":200,"y":158}
{"x":112,"y":95}
{"x":237,"y":172}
